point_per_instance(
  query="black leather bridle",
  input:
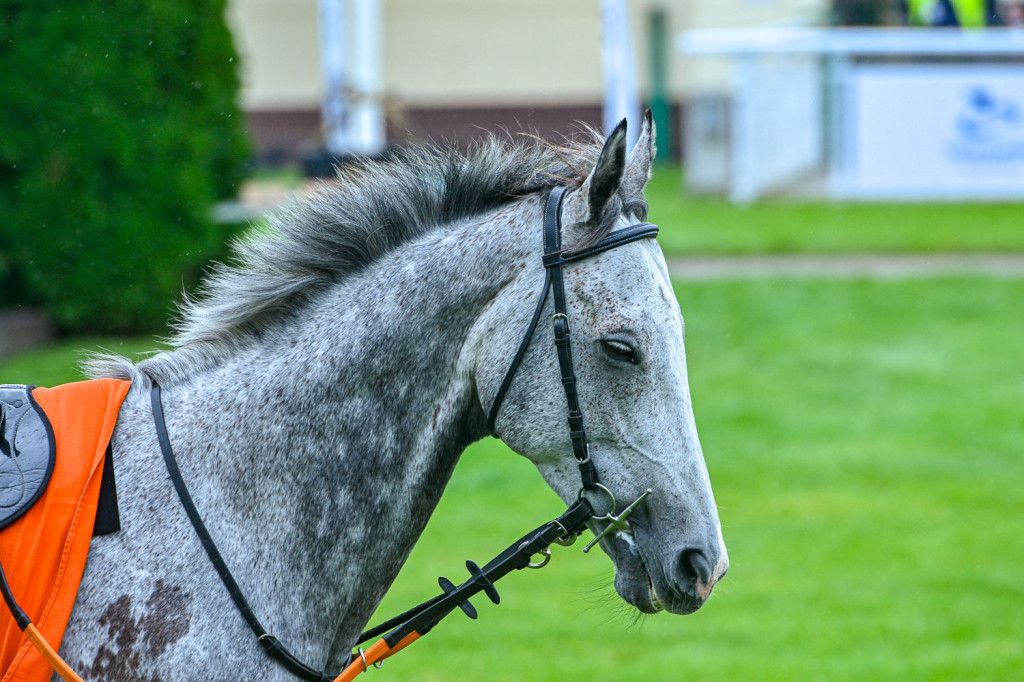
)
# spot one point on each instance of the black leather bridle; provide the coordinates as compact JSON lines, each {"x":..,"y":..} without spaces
{"x":405,"y":628}
{"x":554,"y":258}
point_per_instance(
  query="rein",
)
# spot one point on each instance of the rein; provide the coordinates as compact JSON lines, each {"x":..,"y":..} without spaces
{"x":404,"y":629}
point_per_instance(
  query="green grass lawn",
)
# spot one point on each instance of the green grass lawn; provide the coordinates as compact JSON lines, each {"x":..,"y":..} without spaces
{"x":864,"y":440}
{"x":693,"y":225}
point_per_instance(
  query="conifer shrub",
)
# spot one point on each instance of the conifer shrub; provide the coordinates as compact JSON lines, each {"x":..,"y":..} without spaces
{"x":119,"y":130}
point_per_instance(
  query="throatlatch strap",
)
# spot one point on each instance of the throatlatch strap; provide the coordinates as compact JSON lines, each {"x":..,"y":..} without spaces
{"x":270,"y":644}
{"x":523,"y":345}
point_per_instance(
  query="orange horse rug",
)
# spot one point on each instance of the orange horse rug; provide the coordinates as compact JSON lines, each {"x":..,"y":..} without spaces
{"x":48,"y":506}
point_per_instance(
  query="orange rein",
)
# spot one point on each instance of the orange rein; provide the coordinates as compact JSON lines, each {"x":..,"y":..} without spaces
{"x":49,"y":655}
{"x":373,"y":656}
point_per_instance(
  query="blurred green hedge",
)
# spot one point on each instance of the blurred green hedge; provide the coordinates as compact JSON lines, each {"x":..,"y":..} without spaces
{"x":119,"y":129}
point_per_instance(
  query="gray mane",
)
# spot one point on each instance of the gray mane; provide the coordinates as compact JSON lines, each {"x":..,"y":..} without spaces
{"x":369,"y":210}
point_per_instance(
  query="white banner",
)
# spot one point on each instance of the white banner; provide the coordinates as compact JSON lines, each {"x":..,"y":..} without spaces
{"x":931,"y":130}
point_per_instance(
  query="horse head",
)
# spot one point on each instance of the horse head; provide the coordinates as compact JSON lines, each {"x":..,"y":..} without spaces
{"x":627,"y":350}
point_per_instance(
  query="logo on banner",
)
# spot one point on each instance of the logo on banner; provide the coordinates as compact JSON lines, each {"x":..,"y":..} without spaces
{"x":988,"y":128}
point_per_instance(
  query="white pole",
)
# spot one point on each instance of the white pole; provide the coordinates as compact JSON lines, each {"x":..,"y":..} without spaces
{"x":332,"y":51}
{"x":367,"y":122}
{"x":621,"y":99}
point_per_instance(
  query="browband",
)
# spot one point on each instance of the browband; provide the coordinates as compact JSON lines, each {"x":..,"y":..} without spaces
{"x":626,"y":235}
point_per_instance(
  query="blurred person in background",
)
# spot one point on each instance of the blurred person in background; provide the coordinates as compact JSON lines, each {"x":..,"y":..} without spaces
{"x":952,"y":13}
{"x":937,"y":13}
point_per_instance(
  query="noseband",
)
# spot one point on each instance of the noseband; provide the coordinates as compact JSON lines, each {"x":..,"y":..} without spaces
{"x":554,"y":258}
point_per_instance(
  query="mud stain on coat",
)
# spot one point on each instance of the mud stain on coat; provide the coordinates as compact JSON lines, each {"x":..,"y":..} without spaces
{"x":133,"y":642}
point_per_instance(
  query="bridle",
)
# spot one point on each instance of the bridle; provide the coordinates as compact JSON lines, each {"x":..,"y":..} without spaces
{"x":554,"y":259}
{"x":400,"y":631}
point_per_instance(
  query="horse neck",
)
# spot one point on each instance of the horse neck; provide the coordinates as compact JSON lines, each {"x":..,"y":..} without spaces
{"x":320,"y":451}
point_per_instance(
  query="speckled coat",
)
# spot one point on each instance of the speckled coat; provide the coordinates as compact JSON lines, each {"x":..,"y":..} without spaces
{"x":322,"y":389}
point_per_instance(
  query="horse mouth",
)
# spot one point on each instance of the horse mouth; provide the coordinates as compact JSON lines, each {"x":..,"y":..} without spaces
{"x":655,"y":602}
{"x":646,"y":591}
{"x":670,"y":600}
{"x":638,"y":587}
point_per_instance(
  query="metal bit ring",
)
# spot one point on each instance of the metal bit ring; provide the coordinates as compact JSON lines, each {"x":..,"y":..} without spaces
{"x":546,"y":553}
{"x":598,"y":486}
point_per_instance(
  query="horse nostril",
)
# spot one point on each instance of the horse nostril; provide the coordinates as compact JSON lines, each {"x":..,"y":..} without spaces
{"x":694,"y":567}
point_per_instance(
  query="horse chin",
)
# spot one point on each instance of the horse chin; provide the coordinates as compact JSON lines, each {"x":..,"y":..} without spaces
{"x":632,"y":579}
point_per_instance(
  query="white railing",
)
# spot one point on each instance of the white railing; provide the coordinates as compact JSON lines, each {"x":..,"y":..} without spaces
{"x":806,"y":101}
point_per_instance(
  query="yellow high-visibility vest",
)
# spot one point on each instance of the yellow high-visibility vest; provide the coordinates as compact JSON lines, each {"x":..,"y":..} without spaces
{"x":969,"y":13}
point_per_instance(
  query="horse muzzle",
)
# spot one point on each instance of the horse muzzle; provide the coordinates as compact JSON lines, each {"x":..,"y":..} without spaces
{"x":687,"y":582}
{"x":653,"y":578}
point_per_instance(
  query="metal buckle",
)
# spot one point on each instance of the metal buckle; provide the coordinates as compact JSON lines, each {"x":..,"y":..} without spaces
{"x":546,"y":553}
{"x":378,"y":665}
{"x":566,"y":538}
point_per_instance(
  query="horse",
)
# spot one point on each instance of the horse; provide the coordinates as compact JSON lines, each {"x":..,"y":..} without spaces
{"x":321,"y":386}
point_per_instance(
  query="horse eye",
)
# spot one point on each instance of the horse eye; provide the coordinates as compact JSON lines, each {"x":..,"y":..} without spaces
{"x":619,"y":350}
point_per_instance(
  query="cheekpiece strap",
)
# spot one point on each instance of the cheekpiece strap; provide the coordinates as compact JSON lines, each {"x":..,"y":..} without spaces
{"x":563,"y":345}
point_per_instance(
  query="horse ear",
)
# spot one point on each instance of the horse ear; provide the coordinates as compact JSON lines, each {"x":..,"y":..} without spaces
{"x":585,"y":208}
{"x":638,"y":163}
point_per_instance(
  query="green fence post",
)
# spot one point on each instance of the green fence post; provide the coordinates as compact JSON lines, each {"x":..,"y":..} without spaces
{"x":658,"y":41}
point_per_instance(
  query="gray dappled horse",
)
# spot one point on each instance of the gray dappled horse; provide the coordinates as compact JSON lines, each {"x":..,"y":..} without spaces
{"x":322,"y":388}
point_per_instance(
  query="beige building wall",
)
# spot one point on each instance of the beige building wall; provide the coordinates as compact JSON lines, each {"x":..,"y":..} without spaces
{"x":445,"y":53}
{"x":278,"y":44}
